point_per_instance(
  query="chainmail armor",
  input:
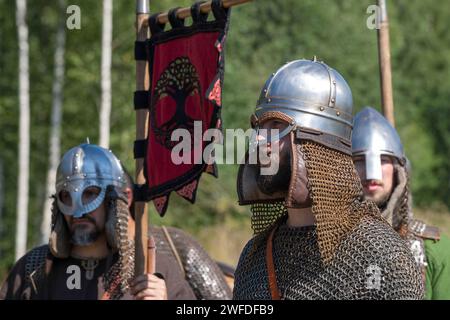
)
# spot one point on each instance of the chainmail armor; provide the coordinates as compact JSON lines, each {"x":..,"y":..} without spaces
{"x":201,"y":272}
{"x":264,"y":215}
{"x":335,"y":258}
{"x":371,"y":262}
{"x":116,"y":279}
{"x":397,"y":209}
{"x":335,"y":190}
{"x":35,"y":265}
{"x":398,"y":212}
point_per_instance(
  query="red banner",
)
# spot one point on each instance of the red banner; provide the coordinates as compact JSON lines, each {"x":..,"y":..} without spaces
{"x":186,"y":73}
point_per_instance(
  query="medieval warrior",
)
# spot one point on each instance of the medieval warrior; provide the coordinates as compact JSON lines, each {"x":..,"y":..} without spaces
{"x":90,"y":254}
{"x":315,"y":235}
{"x":203,"y":274}
{"x":384,"y":170}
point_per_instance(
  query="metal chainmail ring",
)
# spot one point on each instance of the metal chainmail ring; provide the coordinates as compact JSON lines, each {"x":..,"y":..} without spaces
{"x":333,"y":259}
{"x":201,"y":272}
{"x":336,"y":196}
{"x":117,"y":278}
{"x":301,"y":272}
{"x":35,"y":265}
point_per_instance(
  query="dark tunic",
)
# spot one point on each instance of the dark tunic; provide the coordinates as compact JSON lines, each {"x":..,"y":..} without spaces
{"x":60,"y":283}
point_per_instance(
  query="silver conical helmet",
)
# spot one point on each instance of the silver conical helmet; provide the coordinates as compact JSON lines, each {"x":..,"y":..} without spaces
{"x":373,"y":136}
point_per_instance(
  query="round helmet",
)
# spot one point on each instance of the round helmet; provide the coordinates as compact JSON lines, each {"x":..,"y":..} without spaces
{"x":373,"y":136}
{"x":311,"y":95}
{"x":316,"y":103}
{"x":85,"y":166}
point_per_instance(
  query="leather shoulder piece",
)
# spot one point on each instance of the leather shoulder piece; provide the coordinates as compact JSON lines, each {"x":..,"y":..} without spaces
{"x":422,"y":230}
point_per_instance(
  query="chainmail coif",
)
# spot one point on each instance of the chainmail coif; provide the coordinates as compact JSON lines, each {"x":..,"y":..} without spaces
{"x":397,"y":210}
{"x":336,"y":193}
{"x":117,"y":279}
{"x":331,"y":262}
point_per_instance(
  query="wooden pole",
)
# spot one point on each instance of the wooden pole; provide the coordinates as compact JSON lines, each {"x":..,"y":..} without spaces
{"x":184,"y":13}
{"x":144,"y":258}
{"x":145,"y":246}
{"x":384,"y":57}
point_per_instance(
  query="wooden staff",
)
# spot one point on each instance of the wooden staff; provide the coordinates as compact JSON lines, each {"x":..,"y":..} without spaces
{"x":384,"y":57}
{"x":145,"y":246}
{"x":184,"y":13}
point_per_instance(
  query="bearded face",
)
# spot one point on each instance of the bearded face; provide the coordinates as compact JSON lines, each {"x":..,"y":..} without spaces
{"x":86,"y":229}
{"x":269,"y":184}
{"x":280,"y":152}
{"x":378,"y":191}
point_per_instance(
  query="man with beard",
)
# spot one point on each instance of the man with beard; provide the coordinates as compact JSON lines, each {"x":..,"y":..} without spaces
{"x":315,"y":236}
{"x":384,"y":171}
{"x":90,"y":254}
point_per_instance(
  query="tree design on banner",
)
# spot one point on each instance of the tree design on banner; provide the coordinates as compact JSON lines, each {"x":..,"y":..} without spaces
{"x":179,"y":81}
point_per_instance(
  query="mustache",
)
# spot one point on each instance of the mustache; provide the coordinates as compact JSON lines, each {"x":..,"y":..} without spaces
{"x":369,"y":182}
{"x":85,"y":217}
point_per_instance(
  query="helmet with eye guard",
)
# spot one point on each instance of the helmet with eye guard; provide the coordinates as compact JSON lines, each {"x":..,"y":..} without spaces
{"x":81,"y":168}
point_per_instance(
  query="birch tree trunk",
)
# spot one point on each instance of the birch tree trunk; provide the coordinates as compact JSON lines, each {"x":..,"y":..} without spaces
{"x":55,"y":134}
{"x":24,"y":130}
{"x":2,"y":197}
{"x":105,"y":108}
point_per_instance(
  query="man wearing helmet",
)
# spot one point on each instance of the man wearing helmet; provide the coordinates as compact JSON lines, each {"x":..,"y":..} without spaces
{"x":90,"y":254}
{"x":384,"y":171}
{"x":315,"y":237}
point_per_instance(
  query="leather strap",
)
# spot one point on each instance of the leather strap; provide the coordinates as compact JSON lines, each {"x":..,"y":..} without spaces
{"x":274,"y":292}
{"x":174,"y":250}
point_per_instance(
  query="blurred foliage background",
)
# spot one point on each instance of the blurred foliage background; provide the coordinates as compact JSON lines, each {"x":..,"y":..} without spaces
{"x":263,"y":35}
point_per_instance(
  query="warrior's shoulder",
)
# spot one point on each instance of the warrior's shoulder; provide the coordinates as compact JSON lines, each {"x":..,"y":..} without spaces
{"x":168,"y":235}
{"x":391,"y":254}
{"x":253,"y":247}
{"x":24,"y":272}
{"x":377,"y":226}
{"x":424,"y":230}
{"x":35,"y":259}
{"x":387,"y":249}
{"x":438,"y":251}
{"x":179,"y":245}
{"x":380,"y":239}
{"x":39,"y":250}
